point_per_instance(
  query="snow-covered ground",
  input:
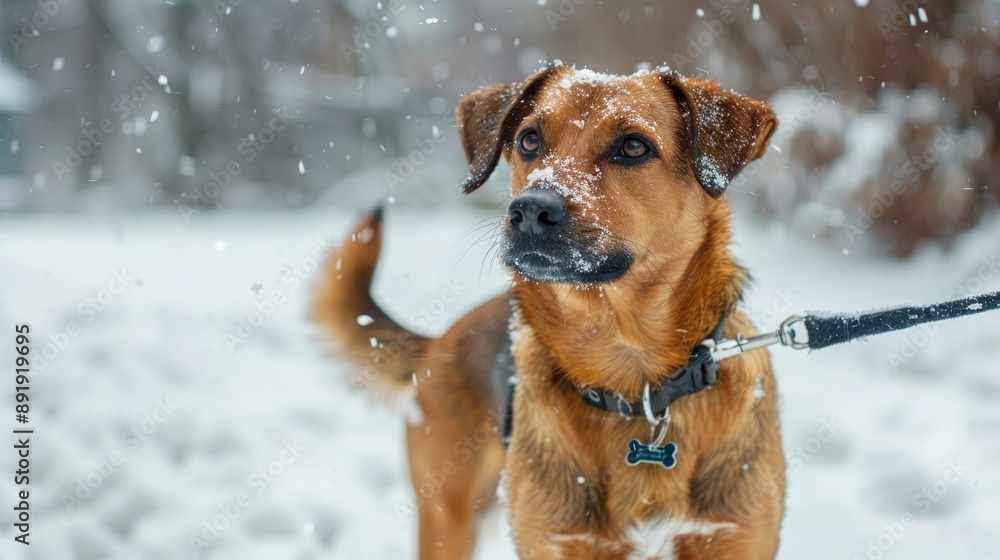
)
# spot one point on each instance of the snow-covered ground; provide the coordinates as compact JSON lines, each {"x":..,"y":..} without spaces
{"x":148,"y":425}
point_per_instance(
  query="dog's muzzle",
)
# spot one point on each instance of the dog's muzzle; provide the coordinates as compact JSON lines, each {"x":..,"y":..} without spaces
{"x":540,"y":244}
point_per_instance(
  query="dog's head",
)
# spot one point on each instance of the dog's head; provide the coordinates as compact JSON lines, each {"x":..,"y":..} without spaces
{"x":606,"y":170}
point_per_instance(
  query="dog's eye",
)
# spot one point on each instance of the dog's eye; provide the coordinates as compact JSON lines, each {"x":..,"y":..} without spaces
{"x":529,"y":142}
{"x":633,"y":148}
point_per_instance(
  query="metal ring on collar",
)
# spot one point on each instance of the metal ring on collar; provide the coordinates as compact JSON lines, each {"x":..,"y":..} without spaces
{"x":647,"y":407}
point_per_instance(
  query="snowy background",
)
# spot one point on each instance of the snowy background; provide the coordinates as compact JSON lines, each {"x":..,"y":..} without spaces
{"x":890,"y":433}
{"x":135,"y":261}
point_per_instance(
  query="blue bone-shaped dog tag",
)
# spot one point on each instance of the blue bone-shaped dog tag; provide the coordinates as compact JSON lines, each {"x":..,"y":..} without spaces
{"x":665,"y":455}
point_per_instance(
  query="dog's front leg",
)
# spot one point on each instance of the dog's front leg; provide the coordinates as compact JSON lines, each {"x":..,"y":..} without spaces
{"x":454,"y":469}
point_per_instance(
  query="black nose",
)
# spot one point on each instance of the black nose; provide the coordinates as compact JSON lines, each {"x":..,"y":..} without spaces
{"x":536,"y":211}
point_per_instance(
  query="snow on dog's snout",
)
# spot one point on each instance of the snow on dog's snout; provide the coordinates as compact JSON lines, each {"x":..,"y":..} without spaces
{"x":577,"y":185}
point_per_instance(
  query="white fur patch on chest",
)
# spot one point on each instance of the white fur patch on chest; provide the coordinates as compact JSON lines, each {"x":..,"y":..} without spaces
{"x":654,"y":539}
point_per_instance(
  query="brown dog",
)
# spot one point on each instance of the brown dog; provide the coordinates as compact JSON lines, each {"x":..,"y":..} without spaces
{"x":617,"y":237}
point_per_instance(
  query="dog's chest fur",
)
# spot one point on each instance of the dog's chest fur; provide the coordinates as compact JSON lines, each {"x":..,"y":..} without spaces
{"x":566,"y":465}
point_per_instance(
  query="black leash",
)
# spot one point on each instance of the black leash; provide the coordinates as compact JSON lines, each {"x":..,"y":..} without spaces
{"x":819,"y":329}
{"x":814,"y":330}
{"x":827,"y":329}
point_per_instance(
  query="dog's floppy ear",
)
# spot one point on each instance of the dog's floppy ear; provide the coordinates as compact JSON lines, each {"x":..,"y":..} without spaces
{"x":486,"y":120}
{"x":725,"y":131}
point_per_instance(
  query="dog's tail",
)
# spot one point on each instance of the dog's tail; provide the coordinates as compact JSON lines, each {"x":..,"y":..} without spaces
{"x":364,"y":332}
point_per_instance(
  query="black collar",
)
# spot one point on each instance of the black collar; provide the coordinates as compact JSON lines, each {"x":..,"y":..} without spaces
{"x":700,"y":372}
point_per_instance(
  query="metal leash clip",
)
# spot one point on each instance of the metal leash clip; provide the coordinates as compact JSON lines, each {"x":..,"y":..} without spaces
{"x":791,"y":333}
